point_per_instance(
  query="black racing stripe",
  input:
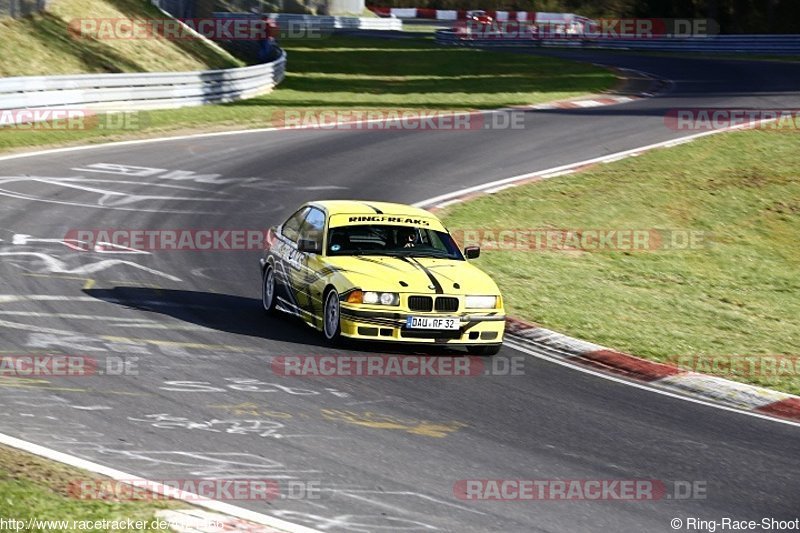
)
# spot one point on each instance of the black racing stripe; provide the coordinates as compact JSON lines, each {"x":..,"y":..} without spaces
{"x":328,"y":271}
{"x":378,"y":211}
{"x":436,"y":269}
{"x":291,"y":291}
{"x":436,"y":285}
{"x":382,"y":263}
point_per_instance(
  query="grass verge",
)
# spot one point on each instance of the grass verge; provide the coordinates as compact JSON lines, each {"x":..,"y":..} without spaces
{"x":355,"y":73}
{"x":732,"y":296}
{"x":42,"y":44}
{"x":426,"y":28}
{"x":33,"y":488}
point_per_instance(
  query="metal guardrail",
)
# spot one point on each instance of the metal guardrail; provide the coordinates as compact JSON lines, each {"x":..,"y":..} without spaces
{"x":766,"y":44}
{"x":451,"y":38}
{"x":321,"y":22}
{"x":177,"y":8}
{"x":21,"y":8}
{"x":156,"y":90}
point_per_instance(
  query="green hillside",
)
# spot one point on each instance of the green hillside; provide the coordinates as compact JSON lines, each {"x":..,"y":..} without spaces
{"x":43,"y":44}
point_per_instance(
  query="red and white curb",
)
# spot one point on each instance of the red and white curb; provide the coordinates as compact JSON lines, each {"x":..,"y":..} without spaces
{"x":596,"y":101}
{"x":739,"y":396}
{"x":449,"y":14}
{"x":714,"y":390}
{"x":657,"y":86}
{"x":232,"y":517}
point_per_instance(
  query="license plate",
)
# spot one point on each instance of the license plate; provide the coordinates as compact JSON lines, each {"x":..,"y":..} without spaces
{"x":427,"y":322}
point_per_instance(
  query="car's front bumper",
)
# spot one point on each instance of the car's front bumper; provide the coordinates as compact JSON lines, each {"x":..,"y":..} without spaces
{"x":478,"y":327}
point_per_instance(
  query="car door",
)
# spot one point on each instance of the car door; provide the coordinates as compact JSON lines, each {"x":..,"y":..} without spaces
{"x":308,"y":281}
{"x":285,"y":258}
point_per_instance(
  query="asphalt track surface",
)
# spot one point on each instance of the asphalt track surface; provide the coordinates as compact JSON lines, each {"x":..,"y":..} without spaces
{"x":386,"y":453}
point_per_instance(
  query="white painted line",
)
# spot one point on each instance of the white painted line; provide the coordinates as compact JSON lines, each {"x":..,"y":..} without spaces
{"x":54,"y":265}
{"x":586,"y":103}
{"x":501,"y":188}
{"x":678,"y":143}
{"x":74,"y":316}
{"x":550,"y":172}
{"x":609,"y":377}
{"x":557,"y":174}
{"x":620,"y":158}
{"x":217,"y":134}
{"x":135,"y":142}
{"x":448,"y":198}
{"x":158,"y":488}
{"x":241,"y":132}
{"x":449,"y":202}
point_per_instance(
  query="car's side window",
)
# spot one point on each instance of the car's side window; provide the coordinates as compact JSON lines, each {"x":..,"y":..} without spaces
{"x":291,"y":228}
{"x":314,"y":226}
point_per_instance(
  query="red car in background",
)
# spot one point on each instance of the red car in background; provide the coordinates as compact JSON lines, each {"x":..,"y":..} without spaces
{"x":479,"y":15}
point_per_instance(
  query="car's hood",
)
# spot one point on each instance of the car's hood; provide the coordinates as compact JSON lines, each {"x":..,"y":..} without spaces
{"x":413,"y":274}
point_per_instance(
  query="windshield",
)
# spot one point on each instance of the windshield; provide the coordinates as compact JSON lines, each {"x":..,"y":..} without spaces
{"x":401,"y":241}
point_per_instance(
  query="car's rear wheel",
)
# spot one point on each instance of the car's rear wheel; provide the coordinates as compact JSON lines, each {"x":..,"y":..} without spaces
{"x":331,"y":320}
{"x":484,"y":349}
{"x":268,"y":290}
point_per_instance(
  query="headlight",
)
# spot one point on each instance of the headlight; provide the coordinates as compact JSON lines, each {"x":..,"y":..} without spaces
{"x":390,"y":298}
{"x":381,"y":298}
{"x":481,"y":302}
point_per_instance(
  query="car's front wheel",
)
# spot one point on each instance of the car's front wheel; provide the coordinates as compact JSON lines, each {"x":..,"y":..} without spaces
{"x":484,"y":349}
{"x":331,"y":323}
{"x":268,"y":290}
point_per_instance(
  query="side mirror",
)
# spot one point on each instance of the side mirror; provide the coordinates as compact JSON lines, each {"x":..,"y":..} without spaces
{"x":472,"y":252}
{"x":308,"y":246}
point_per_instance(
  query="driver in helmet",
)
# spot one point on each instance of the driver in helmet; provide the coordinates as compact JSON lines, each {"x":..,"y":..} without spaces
{"x":407,"y":237}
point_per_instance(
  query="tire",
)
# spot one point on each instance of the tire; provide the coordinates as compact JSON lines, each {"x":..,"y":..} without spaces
{"x":484,"y":349}
{"x":331,"y":318}
{"x":268,"y":298}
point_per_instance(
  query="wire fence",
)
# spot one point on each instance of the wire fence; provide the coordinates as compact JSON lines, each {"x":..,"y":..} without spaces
{"x":21,"y":8}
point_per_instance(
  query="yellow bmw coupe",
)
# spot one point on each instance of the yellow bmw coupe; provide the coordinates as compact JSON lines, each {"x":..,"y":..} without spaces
{"x":381,"y":272}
